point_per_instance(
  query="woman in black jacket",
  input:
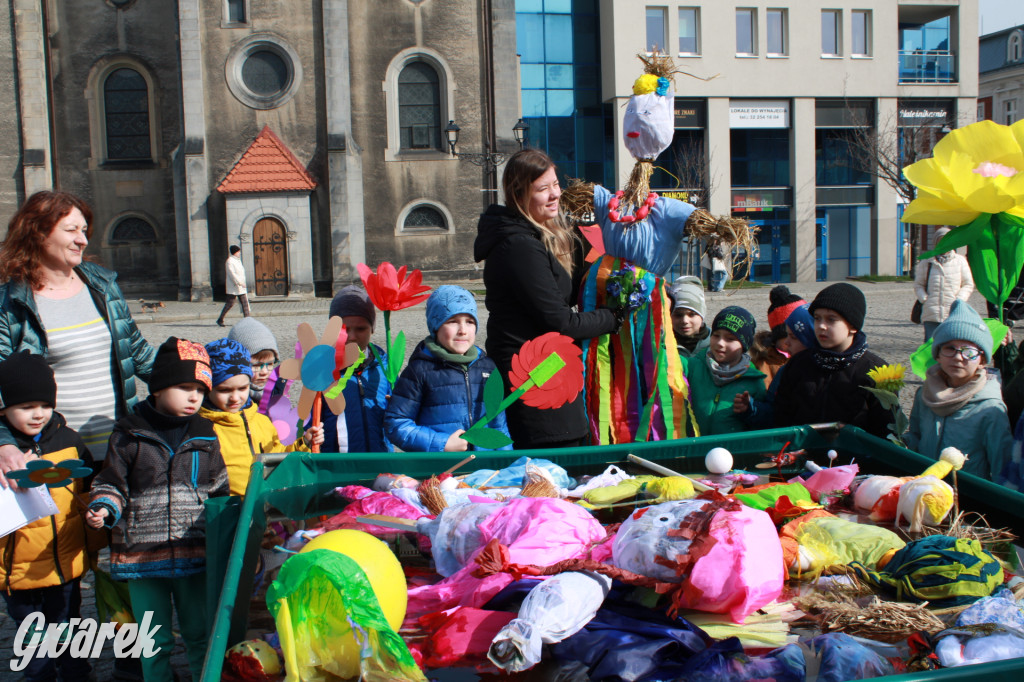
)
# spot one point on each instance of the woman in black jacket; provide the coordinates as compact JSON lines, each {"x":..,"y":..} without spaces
{"x":532,"y":272}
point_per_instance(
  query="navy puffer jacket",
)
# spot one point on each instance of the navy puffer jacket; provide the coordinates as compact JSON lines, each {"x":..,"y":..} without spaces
{"x":433,"y":398}
{"x":21,"y":329}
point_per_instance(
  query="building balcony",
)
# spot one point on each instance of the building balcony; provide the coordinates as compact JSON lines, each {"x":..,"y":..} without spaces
{"x":927,"y":66}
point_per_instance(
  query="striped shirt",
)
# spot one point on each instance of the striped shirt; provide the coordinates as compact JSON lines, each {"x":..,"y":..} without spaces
{"x":79,"y":351}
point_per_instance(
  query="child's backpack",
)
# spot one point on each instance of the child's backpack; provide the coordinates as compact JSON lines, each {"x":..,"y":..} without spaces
{"x":938,"y":569}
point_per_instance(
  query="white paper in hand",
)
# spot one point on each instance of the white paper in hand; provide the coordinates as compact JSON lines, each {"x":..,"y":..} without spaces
{"x":18,"y":509}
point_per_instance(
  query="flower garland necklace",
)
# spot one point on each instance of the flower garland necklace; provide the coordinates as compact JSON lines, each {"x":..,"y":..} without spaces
{"x":641,"y":213}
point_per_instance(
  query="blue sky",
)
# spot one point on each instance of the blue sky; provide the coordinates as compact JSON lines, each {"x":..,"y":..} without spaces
{"x":999,"y":14}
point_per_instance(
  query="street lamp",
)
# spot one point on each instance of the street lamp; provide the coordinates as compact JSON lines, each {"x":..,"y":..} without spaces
{"x":488,"y":159}
{"x":520,"y":130}
{"x":451,"y":133}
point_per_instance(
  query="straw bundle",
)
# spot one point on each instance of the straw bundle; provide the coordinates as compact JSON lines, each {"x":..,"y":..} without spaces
{"x":973,"y":526}
{"x":886,"y":621}
{"x":736,"y":234}
{"x":535,"y":484}
{"x":431,"y":495}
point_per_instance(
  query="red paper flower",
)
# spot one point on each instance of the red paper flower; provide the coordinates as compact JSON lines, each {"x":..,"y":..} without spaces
{"x":389,"y":289}
{"x":564,"y":386}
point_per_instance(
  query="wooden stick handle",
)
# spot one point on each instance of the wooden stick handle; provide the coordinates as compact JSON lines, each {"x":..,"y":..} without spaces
{"x":665,"y":471}
{"x":460,"y":464}
{"x":317,"y":407}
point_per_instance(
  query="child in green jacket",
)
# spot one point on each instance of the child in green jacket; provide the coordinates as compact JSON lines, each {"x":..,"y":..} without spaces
{"x":722,"y":378}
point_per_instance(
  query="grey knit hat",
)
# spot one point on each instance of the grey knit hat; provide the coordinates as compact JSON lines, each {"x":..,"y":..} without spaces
{"x":254,"y":335}
{"x":963,"y":324}
{"x":353,"y":300}
{"x":688,"y":292}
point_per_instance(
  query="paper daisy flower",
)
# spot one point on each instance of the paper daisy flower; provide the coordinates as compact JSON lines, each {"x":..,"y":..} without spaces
{"x":53,"y":475}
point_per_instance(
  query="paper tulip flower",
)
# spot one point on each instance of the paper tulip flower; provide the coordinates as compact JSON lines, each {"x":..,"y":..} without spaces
{"x":318,"y":366}
{"x":389,"y":290}
{"x":975,"y":180}
{"x":546,"y":373}
{"x":53,"y":475}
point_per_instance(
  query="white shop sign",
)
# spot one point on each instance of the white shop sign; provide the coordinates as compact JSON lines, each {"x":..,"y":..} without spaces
{"x":759,"y":114}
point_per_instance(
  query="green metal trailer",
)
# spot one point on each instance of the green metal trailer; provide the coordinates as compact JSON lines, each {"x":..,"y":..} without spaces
{"x":300,"y":488}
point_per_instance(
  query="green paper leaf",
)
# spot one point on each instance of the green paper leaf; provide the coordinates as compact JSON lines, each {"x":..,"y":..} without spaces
{"x":396,"y":356}
{"x":888,"y":399}
{"x":494,"y":393}
{"x":343,"y":380}
{"x":965,"y":235}
{"x":483,"y":437}
{"x":547,"y":369}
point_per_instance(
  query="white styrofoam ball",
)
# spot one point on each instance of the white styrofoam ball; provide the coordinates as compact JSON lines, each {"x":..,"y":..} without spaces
{"x":718,"y":461}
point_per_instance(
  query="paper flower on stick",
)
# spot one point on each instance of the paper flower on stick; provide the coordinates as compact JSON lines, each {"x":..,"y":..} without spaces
{"x":53,"y":475}
{"x":546,"y":373}
{"x":319,"y":363}
{"x":390,"y":289}
{"x":975,"y":180}
{"x":888,"y":382}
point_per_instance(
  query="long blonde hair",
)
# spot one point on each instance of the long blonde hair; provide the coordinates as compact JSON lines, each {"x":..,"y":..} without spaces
{"x":521,"y":171}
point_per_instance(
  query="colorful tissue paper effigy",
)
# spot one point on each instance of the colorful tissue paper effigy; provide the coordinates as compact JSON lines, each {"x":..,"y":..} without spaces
{"x":337,"y":604}
{"x":820,"y":542}
{"x":920,"y":500}
{"x":251,"y":661}
{"x":635,"y":389}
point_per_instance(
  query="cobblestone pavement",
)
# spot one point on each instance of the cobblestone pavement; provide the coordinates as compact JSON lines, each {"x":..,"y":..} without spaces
{"x":889,"y":331}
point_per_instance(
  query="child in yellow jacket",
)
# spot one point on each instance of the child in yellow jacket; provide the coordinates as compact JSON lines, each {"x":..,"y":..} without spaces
{"x":243,"y":432}
{"x":41,"y":564}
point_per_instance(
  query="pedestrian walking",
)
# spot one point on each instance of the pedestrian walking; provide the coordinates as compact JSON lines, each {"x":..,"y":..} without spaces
{"x":940,"y":281}
{"x":234,"y":284}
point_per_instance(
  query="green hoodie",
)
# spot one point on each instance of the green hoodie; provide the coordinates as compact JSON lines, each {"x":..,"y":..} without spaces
{"x":712,"y":404}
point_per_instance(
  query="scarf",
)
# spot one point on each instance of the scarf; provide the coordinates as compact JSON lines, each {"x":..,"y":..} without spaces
{"x":723,"y":374}
{"x":943,"y":399}
{"x":832,"y":361}
{"x":944,"y":258}
{"x":440,"y":352}
{"x":689,"y":343}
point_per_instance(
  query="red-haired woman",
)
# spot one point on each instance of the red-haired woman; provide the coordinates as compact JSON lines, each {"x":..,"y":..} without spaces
{"x":54,"y":304}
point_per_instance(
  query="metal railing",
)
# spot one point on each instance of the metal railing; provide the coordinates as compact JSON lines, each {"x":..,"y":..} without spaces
{"x":927,"y":66}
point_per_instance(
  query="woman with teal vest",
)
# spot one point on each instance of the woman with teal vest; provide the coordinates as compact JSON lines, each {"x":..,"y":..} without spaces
{"x":73,"y":313}
{"x":722,"y":380}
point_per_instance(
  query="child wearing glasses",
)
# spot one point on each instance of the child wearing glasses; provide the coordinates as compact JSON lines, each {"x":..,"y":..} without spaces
{"x":959,"y":405}
{"x":257,"y":338}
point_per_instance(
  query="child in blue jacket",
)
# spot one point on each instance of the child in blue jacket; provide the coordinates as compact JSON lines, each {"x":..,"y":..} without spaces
{"x":440,"y":393}
{"x":361,"y":427}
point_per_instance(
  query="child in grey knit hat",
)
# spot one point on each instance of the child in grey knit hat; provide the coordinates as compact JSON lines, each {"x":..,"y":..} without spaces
{"x":257,"y":338}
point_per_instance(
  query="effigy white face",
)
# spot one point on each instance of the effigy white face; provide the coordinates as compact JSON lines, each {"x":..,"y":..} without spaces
{"x":649,"y":124}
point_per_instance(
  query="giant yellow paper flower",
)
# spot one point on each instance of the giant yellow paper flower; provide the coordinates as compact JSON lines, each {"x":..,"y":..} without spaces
{"x":888,"y":377}
{"x":975,"y":169}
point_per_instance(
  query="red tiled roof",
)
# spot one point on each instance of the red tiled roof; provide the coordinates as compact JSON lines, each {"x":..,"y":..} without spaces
{"x":267,"y":166}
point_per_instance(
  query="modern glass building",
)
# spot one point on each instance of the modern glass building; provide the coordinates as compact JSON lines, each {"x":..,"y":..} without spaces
{"x":559,"y":46}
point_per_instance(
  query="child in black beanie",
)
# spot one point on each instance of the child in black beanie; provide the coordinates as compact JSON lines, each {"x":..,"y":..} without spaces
{"x":824,"y":384}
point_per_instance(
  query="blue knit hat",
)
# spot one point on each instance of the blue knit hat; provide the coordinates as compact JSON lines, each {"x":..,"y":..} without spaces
{"x":228,"y":358}
{"x":446,"y":301}
{"x":964,"y":324}
{"x":737,"y":320}
{"x":801,"y":324}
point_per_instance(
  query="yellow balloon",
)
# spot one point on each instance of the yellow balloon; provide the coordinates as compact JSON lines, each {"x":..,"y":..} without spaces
{"x":377,"y":561}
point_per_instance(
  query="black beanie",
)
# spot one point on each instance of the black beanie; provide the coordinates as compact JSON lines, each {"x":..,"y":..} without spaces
{"x":26,"y":378}
{"x":845,"y":299}
{"x":738,"y":321}
{"x":179,"y":361}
